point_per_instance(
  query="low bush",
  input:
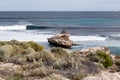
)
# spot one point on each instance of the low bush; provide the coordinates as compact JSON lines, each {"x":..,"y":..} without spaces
{"x":107,"y":60}
{"x":59,"y":52}
{"x":35,"y":46}
{"x":6,"y":51}
{"x":47,"y":57}
{"x":66,"y":63}
{"x":24,"y":45}
{"x":18,"y":49}
{"x":55,"y":76}
{"x":93,"y":57}
{"x":77,"y":75}
{"x":40,"y":71}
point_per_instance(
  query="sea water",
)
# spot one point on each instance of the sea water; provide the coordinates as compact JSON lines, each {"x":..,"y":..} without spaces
{"x":87,"y":29}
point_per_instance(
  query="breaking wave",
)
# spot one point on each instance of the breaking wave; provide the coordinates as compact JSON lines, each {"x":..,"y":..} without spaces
{"x":14,"y":27}
{"x":87,"y":38}
{"x":114,"y":37}
{"x":42,"y":37}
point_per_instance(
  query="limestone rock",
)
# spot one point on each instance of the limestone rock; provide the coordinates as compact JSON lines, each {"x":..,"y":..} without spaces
{"x":104,"y":76}
{"x":61,"y":40}
{"x":95,"y":49}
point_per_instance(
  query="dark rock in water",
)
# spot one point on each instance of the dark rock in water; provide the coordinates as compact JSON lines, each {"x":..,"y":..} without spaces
{"x":64,"y":32}
{"x":61,"y":40}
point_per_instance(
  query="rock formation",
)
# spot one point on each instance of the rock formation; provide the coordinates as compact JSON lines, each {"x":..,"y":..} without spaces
{"x":61,"y":40}
{"x":104,"y":75}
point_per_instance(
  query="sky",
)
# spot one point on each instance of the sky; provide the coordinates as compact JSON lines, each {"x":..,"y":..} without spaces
{"x":59,"y":5}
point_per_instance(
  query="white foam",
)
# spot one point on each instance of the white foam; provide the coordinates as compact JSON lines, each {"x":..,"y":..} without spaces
{"x":23,"y":36}
{"x":26,"y":36}
{"x":87,"y":38}
{"x":14,"y":27}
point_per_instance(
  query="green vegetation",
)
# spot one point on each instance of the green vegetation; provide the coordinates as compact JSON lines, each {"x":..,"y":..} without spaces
{"x":16,"y":77}
{"x":60,"y":52}
{"x":35,"y":46}
{"x":107,"y":61}
{"x":38,"y":63}
{"x":6,"y":51}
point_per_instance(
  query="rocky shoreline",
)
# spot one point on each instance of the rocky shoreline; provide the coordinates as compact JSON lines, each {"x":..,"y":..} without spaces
{"x":31,"y":61}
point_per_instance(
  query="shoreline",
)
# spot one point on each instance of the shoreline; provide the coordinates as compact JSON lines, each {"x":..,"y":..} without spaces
{"x":30,"y":60}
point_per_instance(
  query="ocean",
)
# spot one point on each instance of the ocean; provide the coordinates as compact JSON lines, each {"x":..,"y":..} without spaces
{"x":87,"y":29}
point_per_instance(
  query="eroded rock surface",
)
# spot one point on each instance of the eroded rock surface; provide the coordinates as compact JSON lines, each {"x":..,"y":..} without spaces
{"x":61,"y":40}
{"x":104,"y":76}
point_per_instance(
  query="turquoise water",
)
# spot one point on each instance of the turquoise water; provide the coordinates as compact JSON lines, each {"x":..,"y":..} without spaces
{"x":83,"y":21}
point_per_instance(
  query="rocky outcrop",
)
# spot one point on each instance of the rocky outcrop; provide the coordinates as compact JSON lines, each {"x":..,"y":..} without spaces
{"x":8,"y":70}
{"x":61,"y":40}
{"x":95,"y":49}
{"x":104,"y":76}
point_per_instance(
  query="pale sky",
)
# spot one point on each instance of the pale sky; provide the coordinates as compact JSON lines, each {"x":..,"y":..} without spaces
{"x":59,"y":5}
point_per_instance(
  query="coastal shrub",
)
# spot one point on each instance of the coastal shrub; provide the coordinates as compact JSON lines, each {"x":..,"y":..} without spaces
{"x":93,"y":57}
{"x":47,"y":57}
{"x":117,"y":64}
{"x":28,"y":51}
{"x":18,"y":49}
{"x":117,"y":57}
{"x":2,"y":43}
{"x":1,"y":55}
{"x":72,"y":62}
{"x":17,"y":59}
{"x":59,"y":52}
{"x":35,"y":46}
{"x":13,"y":42}
{"x":40,"y":71}
{"x":107,"y":59}
{"x":77,"y":75}
{"x":66,"y":63}
{"x":24,"y":45}
{"x":29,"y":58}
{"x":32,"y":65}
{"x":117,"y":61}
{"x":55,"y":76}
{"x":16,"y":76}
{"x":44,"y":56}
{"x":6,"y":51}
{"x":26,"y":56}
{"x":59,"y":64}
{"x":22,"y":60}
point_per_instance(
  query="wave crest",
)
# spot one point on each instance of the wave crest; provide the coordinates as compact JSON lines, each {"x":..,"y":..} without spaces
{"x":14,"y":27}
{"x":87,"y":38}
{"x":114,"y":37}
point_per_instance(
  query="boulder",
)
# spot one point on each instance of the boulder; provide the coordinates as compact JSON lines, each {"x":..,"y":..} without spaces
{"x":61,"y":40}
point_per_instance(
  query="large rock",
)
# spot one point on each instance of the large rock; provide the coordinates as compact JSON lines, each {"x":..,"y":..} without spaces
{"x":61,"y":40}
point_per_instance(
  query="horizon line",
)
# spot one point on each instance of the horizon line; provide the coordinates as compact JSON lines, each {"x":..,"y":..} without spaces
{"x":55,"y":11}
